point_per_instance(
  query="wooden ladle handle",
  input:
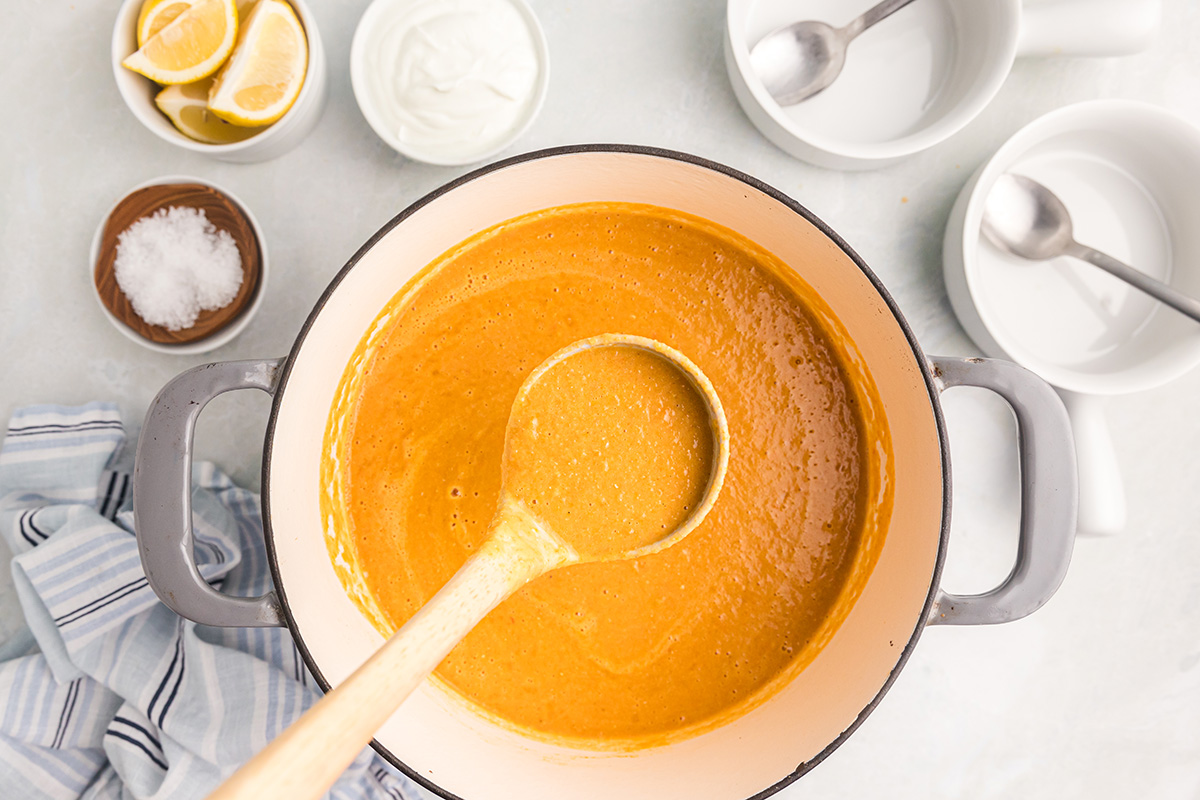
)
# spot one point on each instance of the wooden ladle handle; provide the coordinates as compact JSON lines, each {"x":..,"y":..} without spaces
{"x":306,"y":759}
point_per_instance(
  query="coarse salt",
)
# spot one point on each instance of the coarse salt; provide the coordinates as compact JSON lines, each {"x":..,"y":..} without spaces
{"x":174,"y":264}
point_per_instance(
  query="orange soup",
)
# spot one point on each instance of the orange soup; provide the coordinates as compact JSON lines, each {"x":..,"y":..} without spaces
{"x":611,"y":449}
{"x":622,"y":654}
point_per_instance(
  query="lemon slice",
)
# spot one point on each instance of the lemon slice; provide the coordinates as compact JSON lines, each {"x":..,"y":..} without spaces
{"x":157,"y":14}
{"x":265,"y":72}
{"x":191,"y":46}
{"x":186,"y":105}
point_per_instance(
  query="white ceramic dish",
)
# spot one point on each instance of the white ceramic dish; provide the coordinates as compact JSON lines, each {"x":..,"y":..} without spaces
{"x":919,"y":76}
{"x":138,"y":93}
{"x":1128,"y":173}
{"x":219,"y":337}
{"x":361,"y":53}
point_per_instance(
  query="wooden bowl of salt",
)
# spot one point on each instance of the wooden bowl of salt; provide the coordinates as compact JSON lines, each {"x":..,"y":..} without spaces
{"x":179,"y":265}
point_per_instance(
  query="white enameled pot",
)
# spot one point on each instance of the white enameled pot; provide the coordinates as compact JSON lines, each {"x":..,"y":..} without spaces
{"x":439,"y":740}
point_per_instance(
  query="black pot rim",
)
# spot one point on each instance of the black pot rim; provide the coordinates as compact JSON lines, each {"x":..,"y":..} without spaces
{"x":656,"y":152}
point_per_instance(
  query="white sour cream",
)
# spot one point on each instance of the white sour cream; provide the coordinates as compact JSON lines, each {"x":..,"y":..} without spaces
{"x":450,"y":80}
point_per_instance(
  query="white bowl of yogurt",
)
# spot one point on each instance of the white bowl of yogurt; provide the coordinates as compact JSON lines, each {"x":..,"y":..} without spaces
{"x":449,"y":82}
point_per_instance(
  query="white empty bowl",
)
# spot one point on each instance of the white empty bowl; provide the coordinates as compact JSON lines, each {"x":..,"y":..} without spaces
{"x":138,"y":93}
{"x":1128,"y":173}
{"x":919,"y":76}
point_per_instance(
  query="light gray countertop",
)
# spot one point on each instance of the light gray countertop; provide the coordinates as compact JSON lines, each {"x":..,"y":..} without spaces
{"x":1097,"y":695}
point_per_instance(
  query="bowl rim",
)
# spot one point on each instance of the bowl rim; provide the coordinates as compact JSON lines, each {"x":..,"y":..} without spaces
{"x":362,"y":96}
{"x":923,"y":364}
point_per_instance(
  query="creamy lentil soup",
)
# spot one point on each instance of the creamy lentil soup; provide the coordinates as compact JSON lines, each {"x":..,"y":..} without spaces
{"x":622,"y":654}
{"x":611,"y":449}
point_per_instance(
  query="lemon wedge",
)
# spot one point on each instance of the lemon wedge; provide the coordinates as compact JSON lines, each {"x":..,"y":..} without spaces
{"x":191,"y":46}
{"x":266,"y":71}
{"x":157,"y":14}
{"x":186,"y":105}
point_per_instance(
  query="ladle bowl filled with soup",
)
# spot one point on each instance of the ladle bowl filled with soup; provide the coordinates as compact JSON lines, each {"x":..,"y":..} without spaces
{"x":762,"y":638}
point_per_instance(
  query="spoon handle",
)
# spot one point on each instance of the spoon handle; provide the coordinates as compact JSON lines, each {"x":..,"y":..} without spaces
{"x":305,"y":760}
{"x":1157,"y":289}
{"x":874,"y":14}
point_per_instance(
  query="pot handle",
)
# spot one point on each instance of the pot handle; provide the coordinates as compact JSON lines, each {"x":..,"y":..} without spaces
{"x":162,"y":496}
{"x":1049,"y":493}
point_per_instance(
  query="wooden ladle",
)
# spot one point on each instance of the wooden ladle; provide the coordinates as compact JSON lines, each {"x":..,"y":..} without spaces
{"x":573,"y":400}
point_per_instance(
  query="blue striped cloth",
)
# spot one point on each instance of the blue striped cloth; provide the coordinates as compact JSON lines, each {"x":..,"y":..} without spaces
{"x":108,"y":693}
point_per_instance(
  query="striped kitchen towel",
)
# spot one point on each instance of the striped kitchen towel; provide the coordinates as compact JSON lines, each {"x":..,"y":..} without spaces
{"x":108,"y":693}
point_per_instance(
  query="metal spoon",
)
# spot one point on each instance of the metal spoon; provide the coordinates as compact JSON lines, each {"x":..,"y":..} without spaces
{"x":799,"y":60}
{"x":303,"y":761}
{"x":1025,"y":218}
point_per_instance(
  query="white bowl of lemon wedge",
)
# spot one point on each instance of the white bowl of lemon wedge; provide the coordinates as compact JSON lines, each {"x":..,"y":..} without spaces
{"x":236,"y":80}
